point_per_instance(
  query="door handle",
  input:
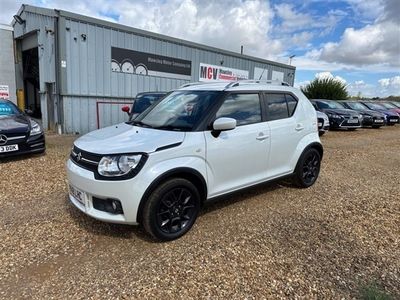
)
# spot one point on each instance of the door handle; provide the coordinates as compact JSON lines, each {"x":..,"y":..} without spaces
{"x":262,"y":137}
{"x":299,"y":127}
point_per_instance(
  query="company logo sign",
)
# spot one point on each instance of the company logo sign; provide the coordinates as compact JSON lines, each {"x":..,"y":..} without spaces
{"x":4,"y":92}
{"x":217,"y":73}
{"x":147,"y":64}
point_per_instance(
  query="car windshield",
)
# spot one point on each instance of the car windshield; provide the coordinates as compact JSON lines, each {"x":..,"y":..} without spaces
{"x":356,"y":106}
{"x":8,"y":109}
{"x":375,"y":105}
{"x":180,"y":110}
{"x":329,"y":104}
{"x":388,"y":105}
{"x":397,"y":104}
{"x":142,"y":102}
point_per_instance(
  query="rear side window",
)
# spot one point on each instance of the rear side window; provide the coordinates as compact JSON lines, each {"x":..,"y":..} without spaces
{"x":276,"y":107}
{"x":280,"y":106}
{"x":291,"y":103}
{"x":244,"y":108}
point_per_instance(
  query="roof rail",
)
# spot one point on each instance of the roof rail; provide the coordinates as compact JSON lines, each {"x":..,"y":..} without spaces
{"x":191,"y":84}
{"x":255,"y":81}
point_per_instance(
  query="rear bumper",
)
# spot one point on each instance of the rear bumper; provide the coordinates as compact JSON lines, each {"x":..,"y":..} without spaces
{"x":34,"y":144}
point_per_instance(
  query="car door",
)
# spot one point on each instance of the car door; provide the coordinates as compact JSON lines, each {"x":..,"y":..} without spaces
{"x":287,"y":129}
{"x":238,"y":157}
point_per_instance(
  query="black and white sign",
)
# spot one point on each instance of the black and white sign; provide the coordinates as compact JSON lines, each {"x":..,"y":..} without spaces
{"x":135,"y":62}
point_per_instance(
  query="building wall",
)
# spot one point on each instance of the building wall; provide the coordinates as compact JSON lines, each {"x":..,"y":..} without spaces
{"x":75,"y":54}
{"x":7,"y":69}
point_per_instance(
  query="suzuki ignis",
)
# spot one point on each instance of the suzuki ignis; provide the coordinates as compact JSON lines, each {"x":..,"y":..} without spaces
{"x":199,"y":142}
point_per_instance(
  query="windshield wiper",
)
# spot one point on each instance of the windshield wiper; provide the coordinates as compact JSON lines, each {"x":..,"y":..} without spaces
{"x":140,"y":124}
{"x":172,"y":127}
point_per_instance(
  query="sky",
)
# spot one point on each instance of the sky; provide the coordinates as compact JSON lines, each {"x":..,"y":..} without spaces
{"x":355,"y":41}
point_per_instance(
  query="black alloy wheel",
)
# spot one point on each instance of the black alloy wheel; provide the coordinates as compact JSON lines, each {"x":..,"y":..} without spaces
{"x":307,"y":169}
{"x":175,"y":210}
{"x":311,"y":168}
{"x":171,"y":209}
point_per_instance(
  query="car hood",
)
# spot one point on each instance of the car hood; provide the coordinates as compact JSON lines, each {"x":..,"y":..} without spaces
{"x":340,"y":111}
{"x":368,"y":112}
{"x":125,"y":138}
{"x":388,"y":112}
{"x":14,"y":124}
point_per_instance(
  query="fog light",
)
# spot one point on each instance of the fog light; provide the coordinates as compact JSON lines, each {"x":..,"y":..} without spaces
{"x":108,"y":205}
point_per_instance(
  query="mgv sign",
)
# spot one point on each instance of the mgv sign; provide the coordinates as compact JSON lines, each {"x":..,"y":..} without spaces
{"x":218,"y":73}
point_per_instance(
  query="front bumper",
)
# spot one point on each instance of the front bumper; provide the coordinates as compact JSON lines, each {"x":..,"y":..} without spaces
{"x":30,"y":145}
{"x":344,"y":123}
{"x":373,"y":121}
{"x":125,"y":191}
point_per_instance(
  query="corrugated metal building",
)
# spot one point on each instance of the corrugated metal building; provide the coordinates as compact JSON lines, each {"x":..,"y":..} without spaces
{"x":84,"y":66}
{"x":7,"y":71}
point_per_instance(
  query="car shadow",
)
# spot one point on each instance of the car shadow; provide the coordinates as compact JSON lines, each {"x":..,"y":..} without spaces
{"x":123,"y":231}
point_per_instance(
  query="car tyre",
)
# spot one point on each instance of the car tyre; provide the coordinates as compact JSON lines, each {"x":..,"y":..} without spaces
{"x":307,"y":169}
{"x":171,"y":209}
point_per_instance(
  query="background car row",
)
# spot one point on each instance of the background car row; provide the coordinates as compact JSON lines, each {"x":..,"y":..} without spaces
{"x":351,"y":115}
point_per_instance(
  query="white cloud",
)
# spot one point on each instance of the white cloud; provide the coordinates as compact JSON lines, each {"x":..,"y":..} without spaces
{"x":393,"y":82}
{"x":324,"y":75}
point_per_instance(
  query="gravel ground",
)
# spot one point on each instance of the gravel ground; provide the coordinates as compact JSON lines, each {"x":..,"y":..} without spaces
{"x":271,"y":241}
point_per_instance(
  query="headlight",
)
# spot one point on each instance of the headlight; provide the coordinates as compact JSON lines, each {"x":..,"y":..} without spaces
{"x":334,"y":116}
{"x":35,"y":128}
{"x":120,"y":165}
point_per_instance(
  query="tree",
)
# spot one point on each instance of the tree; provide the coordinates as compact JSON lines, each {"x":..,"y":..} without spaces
{"x":326,"y":88}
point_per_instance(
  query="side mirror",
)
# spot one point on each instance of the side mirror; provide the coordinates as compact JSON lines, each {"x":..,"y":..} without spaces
{"x":223,"y":124}
{"x":126,"y":109}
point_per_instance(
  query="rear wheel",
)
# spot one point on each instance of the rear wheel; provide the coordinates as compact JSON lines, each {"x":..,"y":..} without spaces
{"x":307,"y":169}
{"x":171,"y":209}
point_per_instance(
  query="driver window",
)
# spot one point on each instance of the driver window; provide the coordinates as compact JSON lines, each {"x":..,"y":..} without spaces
{"x":244,"y":108}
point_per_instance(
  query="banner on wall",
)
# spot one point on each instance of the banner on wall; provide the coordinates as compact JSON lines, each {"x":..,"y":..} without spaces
{"x":217,"y":73}
{"x":147,"y":64}
{"x":4,"y":92}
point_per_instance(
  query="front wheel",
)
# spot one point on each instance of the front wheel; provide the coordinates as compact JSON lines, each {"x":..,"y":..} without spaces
{"x":171,"y":209}
{"x":307,"y":169}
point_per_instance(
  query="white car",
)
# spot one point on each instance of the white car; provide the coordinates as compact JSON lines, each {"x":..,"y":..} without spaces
{"x":199,"y":142}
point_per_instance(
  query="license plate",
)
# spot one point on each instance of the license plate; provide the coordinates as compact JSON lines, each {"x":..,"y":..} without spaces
{"x":77,"y":194}
{"x":8,"y":148}
{"x":378,"y":121}
{"x":393,"y":120}
{"x":352,"y":121}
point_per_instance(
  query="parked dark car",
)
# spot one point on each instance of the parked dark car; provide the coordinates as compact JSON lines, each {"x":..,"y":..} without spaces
{"x":392,"y":117}
{"x":391,"y":107}
{"x":372,"y":118}
{"x":19,"y":134}
{"x":323,"y":123}
{"x":339,"y":116}
{"x":141,"y":102}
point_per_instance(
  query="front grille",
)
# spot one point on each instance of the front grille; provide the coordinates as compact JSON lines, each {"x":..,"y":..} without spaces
{"x":85,"y":159}
{"x":14,"y":138}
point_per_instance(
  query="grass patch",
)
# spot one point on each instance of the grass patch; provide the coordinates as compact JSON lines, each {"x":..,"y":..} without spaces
{"x":374,"y":292}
